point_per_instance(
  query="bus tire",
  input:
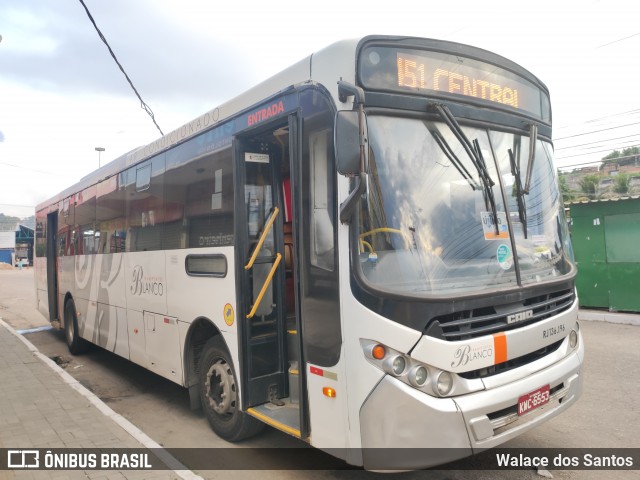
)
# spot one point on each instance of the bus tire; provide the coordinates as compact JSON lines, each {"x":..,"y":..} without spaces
{"x":75,"y":343}
{"x":219,"y":394}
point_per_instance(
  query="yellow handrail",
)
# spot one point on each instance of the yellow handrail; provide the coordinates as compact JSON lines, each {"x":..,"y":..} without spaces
{"x":386,"y":230}
{"x":364,"y":243}
{"x":266,"y":284}
{"x":381,"y":230}
{"x":267,"y":227}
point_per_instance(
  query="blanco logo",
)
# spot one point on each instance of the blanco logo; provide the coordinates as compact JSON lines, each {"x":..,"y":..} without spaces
{"x":520,"y":316}
{"x":145,"y":285}
{"x":23,"y":459}
{"x":466,"y":354}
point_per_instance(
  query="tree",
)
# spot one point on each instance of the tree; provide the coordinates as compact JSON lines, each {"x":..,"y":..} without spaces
{"x":568,"y":195}
{"x":589,"y":185}
{"x":621,"y":183}
{"x":626,"y":156}
{"x":8,"y":223}
{"x":612,"y":156}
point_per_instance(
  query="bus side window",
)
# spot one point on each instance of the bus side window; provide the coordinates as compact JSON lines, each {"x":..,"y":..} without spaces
{"x":145,"y":205}
{"x":110,"y":214}
{"x":85,"y":222}
{"x":66,"y":227}
{"x":198,"y":199}
{"x":41,"y":234}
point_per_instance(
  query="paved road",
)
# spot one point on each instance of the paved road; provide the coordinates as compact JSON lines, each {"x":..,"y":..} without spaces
{"x":606,"y":416}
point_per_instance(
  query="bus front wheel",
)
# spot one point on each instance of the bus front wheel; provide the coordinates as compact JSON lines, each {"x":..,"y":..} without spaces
{"x":219,"y":395}
{"x":75,"y":343}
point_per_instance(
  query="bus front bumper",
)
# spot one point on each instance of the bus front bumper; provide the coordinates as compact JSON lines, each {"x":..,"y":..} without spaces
{"x":405,"y":429}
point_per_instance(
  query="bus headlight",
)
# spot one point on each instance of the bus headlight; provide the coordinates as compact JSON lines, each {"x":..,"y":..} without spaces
{"x":444,"y":383}
{"x":426,"y":378}
{"x":395,"y":365}
{"x":418,"y":376}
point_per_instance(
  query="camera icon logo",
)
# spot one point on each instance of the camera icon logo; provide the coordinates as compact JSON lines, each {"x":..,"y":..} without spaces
{"x":23,"y":459}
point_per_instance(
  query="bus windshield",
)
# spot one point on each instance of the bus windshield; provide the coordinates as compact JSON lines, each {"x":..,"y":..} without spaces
{"x":432,"y":224}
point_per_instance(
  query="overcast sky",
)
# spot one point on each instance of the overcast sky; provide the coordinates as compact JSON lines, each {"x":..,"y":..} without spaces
{"x":62,"y":95}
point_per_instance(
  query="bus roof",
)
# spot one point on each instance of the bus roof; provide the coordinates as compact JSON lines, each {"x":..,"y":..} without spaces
{"x":298,"y":73}
{"x":320,"y":67}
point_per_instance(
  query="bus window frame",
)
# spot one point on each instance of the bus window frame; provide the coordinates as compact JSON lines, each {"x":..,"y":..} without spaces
{"x":195,"y":256}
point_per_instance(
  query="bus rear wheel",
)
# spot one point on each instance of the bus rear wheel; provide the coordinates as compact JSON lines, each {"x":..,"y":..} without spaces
{"x":219,"y":395}
{"x":75,"y":343}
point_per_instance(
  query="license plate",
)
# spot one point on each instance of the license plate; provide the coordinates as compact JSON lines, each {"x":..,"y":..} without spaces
{"x":533,"y":400}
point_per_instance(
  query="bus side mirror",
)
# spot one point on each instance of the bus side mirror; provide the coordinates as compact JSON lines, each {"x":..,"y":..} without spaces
{"x":351,"y":149}
{"x":347,"y":142}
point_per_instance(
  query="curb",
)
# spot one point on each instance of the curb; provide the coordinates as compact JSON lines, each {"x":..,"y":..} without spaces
{"x":609,"y":317}
{"x":146,"y":441}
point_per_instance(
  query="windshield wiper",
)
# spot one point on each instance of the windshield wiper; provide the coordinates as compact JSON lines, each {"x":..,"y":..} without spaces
{"x":453,"y":158}
{"x":515,"y":171}
{"x":514,"y":158}
{"x":533,"y":137}
{"x":489,"y":199}
{"x":475,"y":154}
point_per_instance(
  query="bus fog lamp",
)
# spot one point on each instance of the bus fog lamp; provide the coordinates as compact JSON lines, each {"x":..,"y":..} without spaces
{"x":573,"y":339}
{"x":444,"y":383}
{"x":418,"y":376}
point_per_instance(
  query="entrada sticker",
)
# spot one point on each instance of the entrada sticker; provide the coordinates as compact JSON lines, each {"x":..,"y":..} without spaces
{"x":488,"y":226}
{"x":505,"y":258}
{"x":229,"y":316}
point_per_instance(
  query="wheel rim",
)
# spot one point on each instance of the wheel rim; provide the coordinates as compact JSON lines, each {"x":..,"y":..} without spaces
{"x":69,"y":326}
{"x":220,"y":388}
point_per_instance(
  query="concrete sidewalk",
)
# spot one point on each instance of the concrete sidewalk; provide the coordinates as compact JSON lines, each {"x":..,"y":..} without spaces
{"x":42,"y":406}
{"x":610,"y":317}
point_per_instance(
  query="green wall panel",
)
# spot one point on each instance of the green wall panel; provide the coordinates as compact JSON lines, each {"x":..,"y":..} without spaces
{"x":622,"y":238}
{"x":606,"y":242}
{"x":587,"y":237}
{"x":592,"y":283}
{"x":624,"y":286}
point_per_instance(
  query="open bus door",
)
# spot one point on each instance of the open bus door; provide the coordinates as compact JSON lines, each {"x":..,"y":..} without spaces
{"x":261,"y":268}
{"x":268,"y":287}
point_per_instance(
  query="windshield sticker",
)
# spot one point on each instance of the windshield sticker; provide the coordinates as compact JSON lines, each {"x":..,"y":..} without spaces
{"x":505,"y":258}
{"x":488,"y":225}
{"x":256,"y":157}
{"x":539,"y":240}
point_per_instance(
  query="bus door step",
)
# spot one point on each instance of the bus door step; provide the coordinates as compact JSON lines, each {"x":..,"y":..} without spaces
{"x":285,"y":418}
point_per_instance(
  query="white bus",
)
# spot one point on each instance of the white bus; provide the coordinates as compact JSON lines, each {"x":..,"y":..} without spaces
{"x":367,"y":251}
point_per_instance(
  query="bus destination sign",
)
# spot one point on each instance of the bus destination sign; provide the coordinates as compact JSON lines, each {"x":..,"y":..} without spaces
{"x":433,"y":73}
{"x":418,"y":72}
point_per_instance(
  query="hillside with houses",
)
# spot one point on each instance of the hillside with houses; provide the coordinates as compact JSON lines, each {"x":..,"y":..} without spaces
{"x":618,"y":175}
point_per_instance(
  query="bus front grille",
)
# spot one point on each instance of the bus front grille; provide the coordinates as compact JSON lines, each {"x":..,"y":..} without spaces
{"x":468,"y":324}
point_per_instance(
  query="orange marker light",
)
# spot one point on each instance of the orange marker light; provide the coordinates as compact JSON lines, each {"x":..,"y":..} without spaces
{"x":329,"y":392}
{"x":378,"y":352}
